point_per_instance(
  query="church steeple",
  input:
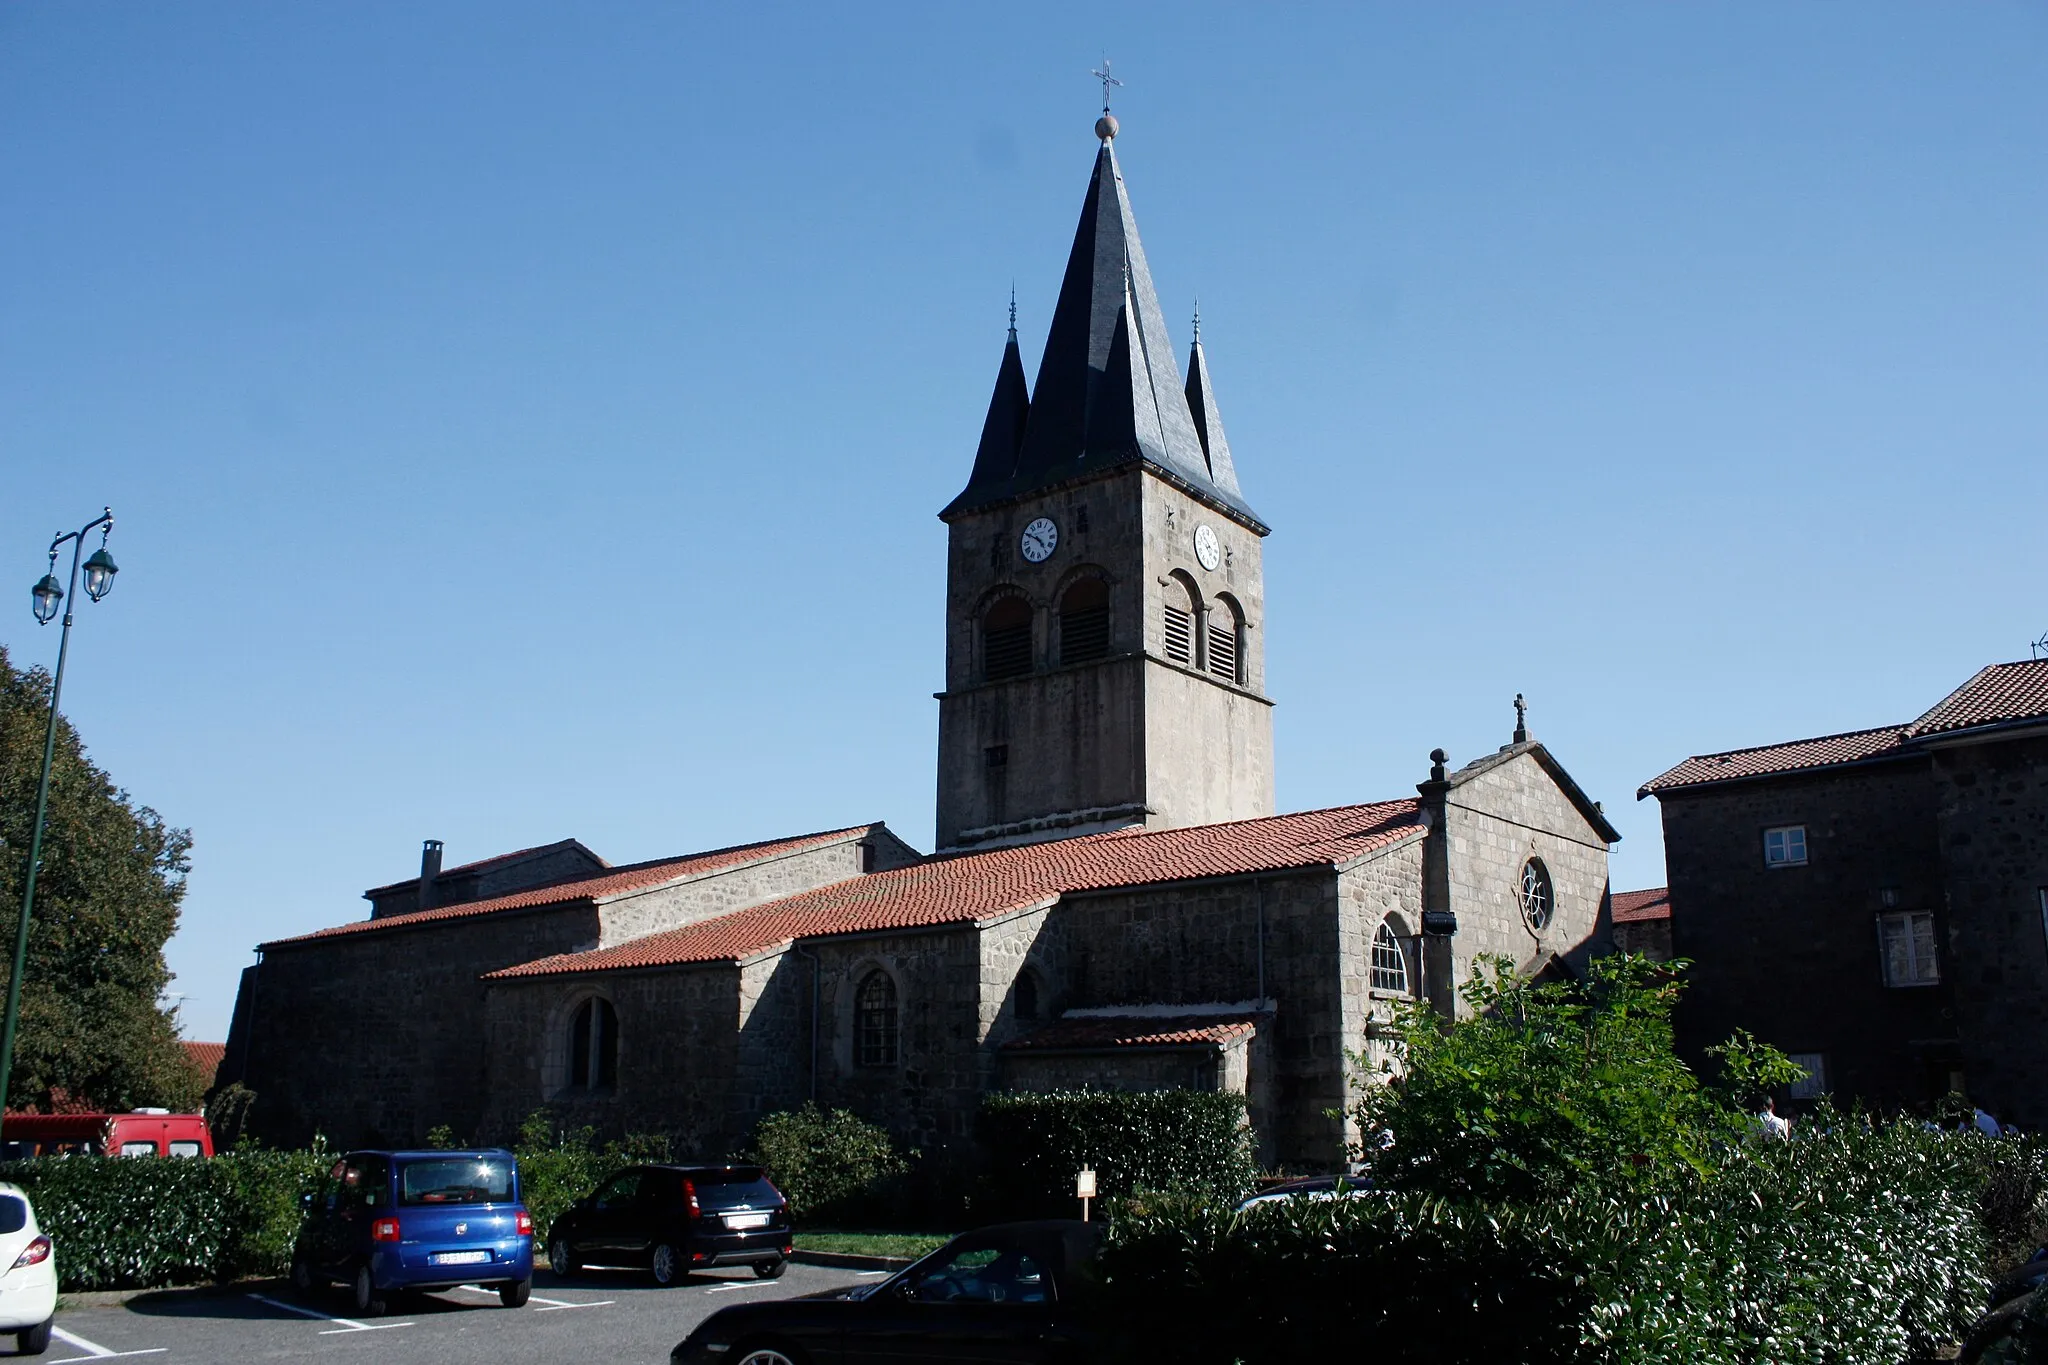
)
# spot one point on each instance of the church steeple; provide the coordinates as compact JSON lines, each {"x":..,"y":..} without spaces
{"x":1208,"y":421}
{"x":1078,"y":423}
{"x":1002,"y":432}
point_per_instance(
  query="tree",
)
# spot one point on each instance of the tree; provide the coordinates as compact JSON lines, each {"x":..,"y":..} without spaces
{"x":92,"y":1032}
{"x":1550,"y":1087}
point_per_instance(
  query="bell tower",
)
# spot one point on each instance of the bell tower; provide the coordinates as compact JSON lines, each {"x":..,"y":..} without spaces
{"x":1105,"y":596}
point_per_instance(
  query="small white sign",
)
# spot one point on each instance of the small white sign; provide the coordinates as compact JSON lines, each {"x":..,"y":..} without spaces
{"x":1084,"y":1186}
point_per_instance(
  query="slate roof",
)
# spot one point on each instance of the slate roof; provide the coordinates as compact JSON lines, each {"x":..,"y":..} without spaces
{"x":1634,"y":907}
{"x":1108,"y":392}
{"x":2002,"y":694}
{"x":1098,"y":1032}
{"x":979,"y":886}
{"x":607,"y":885}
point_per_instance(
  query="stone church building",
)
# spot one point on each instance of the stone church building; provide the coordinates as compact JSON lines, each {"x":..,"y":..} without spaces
{"x":1114,"y":900}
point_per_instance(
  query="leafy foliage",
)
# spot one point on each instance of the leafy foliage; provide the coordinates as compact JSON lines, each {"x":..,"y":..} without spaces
{"x":113,"y":874}
{"x":1546,"y":1088}
{"x":1171,"y":1141}
{"x":827,"y":1163}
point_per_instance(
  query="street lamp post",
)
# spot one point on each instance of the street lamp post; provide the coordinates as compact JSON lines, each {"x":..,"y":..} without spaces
{"x":99,"y":581}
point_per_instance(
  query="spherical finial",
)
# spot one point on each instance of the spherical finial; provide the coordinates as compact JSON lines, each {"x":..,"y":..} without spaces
{"x":1439,"y":756}
{"x":1105,"y":127}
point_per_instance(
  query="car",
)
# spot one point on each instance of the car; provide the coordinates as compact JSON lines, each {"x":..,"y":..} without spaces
{"x":671,"y":1220}
{"x":2014,"y":1333}
{"x":140,"y":1132}
{"x":389,"y":1221}
{"x":1017,"y":1292}
{"x":2031,"y":1275}
{"x":1310,"y":1187}
{"x":28,"y":1291}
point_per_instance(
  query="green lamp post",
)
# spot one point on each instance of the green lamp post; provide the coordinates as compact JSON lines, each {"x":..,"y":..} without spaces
{"x":99,"y":581}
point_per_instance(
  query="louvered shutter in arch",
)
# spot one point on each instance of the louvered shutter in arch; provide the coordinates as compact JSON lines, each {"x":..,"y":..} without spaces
{"x":1084,"y":622}
{"x":1006,"y":639}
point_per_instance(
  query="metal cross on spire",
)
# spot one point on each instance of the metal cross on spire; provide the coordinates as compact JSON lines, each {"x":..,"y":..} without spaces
{"x":1107,"y":81}
{"x":1013,"y":308}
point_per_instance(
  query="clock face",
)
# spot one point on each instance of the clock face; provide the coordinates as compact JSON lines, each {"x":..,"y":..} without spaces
{"x":1207,"y":552}
{"x":1040,"y":539}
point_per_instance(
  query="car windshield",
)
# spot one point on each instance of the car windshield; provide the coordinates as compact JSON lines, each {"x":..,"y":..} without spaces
{"x":456,"y":1180}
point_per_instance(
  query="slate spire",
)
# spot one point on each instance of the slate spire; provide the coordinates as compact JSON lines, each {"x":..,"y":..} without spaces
{"x":1208,"y":421}
{"x":1108,"y":392}
{"x":1002,"y":432}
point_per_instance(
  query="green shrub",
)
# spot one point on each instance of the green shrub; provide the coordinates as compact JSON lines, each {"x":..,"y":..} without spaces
{"x":827,"y":1163}
{"x":1179,"y":1141}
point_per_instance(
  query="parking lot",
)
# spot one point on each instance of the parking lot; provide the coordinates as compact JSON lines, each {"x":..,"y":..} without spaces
{"x":616,"y":1317}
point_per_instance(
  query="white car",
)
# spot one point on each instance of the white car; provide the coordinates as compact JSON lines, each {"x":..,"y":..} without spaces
{"x":28,"y":1290}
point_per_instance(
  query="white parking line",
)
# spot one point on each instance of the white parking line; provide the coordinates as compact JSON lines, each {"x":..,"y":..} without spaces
{"x":94,"y":1351}
{"x":553,"y":1305}
{"x":347,"y":1324}
{"x":739,"y":1284}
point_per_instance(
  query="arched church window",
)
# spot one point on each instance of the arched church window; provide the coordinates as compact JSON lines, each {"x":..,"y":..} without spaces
{"x":594,"y":1046}
{"x":1006,"y":639}
{"x":1084,"y":622}
{"x":1179,"y":623}
{"x":1389,"y":961}
{"x":1538,"y":900}
{"x":1027,"y":996}
{"x":1226,"y":632}
{"x":874,"y":1008}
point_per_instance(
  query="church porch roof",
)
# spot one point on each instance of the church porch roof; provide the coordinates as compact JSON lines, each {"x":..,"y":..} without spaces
{"x":972,"y":887}
{"x":1102,"y":1033}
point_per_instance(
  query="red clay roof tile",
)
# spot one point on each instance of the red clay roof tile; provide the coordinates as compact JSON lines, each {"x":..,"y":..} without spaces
{"x":1098,"y":1031}
{"x":1997,"y":695}
{"x":207,"y":1057}
{"x":978,"y":886}
{"x":1631,"y":907}
{"x":1771,"y":759}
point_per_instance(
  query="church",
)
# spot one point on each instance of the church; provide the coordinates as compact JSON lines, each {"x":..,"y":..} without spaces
{"x":1114,"y":901}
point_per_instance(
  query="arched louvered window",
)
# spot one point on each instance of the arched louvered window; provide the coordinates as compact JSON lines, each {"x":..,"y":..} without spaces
{"x":1389,"y":961}
{"x":1084,"y":622}
{"x":1006,"y":639}
{"x":1179,"y":624}
{"x":874,"y":1009}
{"x":1226,"y":635}
{"x":594,"y":1046}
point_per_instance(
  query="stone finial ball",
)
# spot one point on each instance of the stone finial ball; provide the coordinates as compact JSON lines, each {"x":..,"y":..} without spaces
{"x":1105,"y":127}
{"x":1439,"y":756}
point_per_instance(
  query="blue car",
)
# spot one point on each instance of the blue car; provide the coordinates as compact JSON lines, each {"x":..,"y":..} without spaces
{"x":387,"y":1221}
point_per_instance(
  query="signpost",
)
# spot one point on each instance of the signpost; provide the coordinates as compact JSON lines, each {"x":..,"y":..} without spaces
{"x":1084,"y":1190}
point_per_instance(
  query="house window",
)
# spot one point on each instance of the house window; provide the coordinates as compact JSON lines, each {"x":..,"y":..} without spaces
{"x":1906,"y":943}
{"x":1538,"y":900}
{"x":1814,"y":1083}
{"x":1084,"y":622}
{"x":1006,"y":639}
{"x":874,"y":1008}
{"x":594,"y":1046}
{"x":1389,"y":962}
{"x":1785,"y":846}
{"x":1224,"y":634}
{"x":1027,"y":996}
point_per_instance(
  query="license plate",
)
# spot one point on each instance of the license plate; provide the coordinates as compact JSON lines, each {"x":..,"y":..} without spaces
{"x":746,"y":1220}
{"x":459,"y":1257}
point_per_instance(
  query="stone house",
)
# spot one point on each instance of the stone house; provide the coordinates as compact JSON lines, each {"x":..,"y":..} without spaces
{"x":1876,"y":902}
{"x":1115,"y":900}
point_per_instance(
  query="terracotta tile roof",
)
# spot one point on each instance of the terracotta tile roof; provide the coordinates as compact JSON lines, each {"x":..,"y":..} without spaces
{"x":482,"y":863}
{"x":206,"y":1057}
{"x":977,"y":886}
{"x":1998,"y":695}
{"x":1099,"y":1031}
{"x":1631,"y":907}
{"x":1772,"y":759}
{"x":606,"y":885}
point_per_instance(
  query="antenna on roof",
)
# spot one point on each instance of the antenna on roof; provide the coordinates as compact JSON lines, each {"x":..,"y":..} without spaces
{"x":2040,"y":647}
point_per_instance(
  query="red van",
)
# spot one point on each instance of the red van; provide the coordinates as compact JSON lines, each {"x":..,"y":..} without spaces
{"x":141,"y":1132}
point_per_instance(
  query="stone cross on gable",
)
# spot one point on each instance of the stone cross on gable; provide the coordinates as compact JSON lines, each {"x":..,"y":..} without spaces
{"x":1521,"y":720}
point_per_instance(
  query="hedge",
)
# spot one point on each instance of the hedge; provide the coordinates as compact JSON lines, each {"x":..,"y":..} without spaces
{"x":1861,"y":1244}
{"x":1180,"y":1141}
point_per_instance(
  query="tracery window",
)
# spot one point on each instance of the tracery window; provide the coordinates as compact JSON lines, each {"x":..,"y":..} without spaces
{"x":1084,"y":622}
{"x":594,"y":1046}
{"x":1389,"y":960}
{"x":1538,"y":900}
{"x":874,"y":1010}
{"x":1006,"y":639}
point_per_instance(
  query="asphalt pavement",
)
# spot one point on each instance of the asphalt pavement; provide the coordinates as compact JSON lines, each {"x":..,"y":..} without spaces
{"x":617,"y":1317}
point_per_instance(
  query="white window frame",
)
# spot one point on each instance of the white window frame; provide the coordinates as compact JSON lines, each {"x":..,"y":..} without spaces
{"x":1814,"y":1083}
{"x":1787,"y":836}
{"x":1914,"y":931}
{"x":1384,"y":938}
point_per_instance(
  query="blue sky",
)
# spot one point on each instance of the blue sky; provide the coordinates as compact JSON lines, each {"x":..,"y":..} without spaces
{"x":527,"y":420}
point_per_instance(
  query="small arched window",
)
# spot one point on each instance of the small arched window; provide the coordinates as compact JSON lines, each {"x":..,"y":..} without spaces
{"x":1539,"y":902}
{"x":1084,"y":622}
{"x":1178,"y":626}
{"x":1226,"y":634}
{"x":1389,"y":961}
{"x":874,"y":1009}
{"x":594,"y":1046}
{"x":1027,"y":996}
{"x":1006,"y":639}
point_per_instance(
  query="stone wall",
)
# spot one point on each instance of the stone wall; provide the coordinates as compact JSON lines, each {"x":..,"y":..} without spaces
{"x":1206,"y":1066}
{"x":1991,"y":811}
{"x":1649,"y":938}
{"x":735,"y":888}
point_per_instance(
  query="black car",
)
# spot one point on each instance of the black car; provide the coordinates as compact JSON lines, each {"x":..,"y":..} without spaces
{"x":675,"y":1219}
{"x":1018,"y":1292}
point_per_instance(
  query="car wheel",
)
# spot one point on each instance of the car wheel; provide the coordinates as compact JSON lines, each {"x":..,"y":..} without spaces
{"x":770,"y":1270}
{"x":33,"y":1341}
{"x":369,"y":1299}
{"x":762,"y":1353}
{"x":667,"y":1264}
{"x":302,"y":1275}
{"x":560,"y":1260}
{"x":515,"y":1293}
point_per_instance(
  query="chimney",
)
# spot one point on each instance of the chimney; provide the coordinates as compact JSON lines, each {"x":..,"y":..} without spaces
{"x":430,"y":869}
